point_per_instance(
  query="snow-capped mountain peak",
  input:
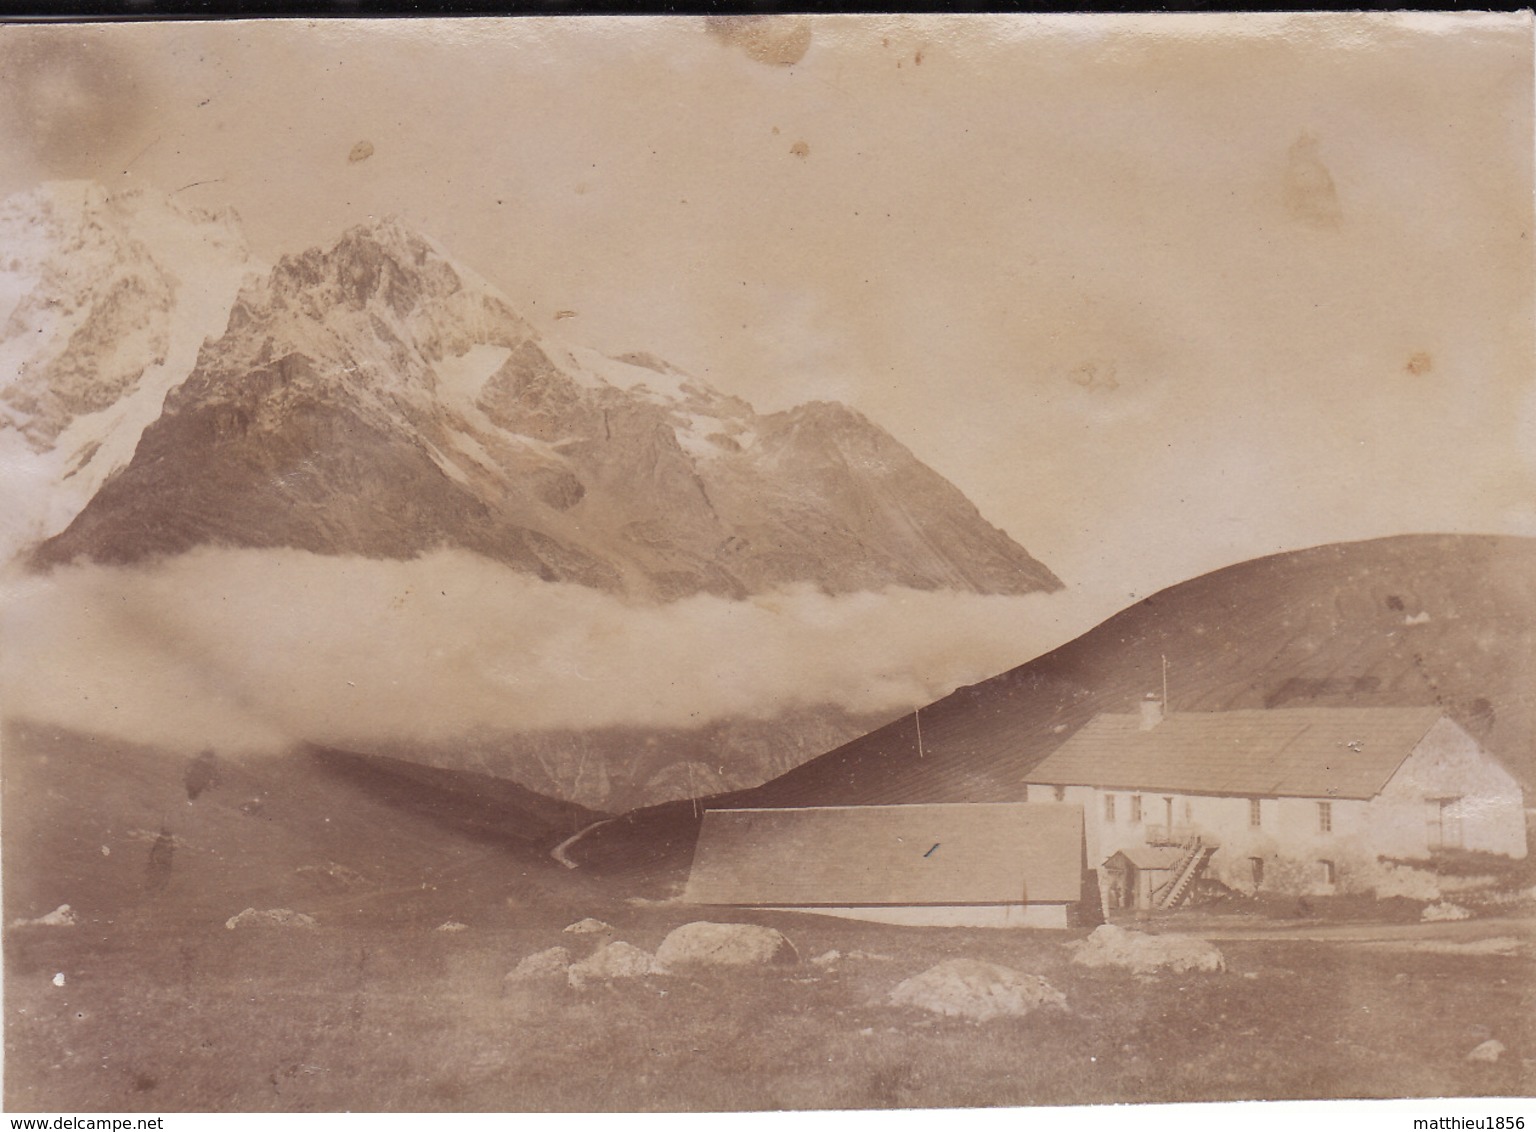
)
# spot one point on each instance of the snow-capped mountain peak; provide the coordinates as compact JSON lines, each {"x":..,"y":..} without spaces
{"x":105,"y":299}
{"x":376,"y":397}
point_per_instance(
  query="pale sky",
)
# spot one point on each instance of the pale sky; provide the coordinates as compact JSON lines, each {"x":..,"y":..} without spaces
{"x":1157,"y":293}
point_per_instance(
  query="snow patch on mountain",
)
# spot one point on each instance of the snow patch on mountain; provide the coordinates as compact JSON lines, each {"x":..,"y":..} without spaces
{"x":107,"y":299}
{"x":636,"y":372}
{"x":464,"y":375}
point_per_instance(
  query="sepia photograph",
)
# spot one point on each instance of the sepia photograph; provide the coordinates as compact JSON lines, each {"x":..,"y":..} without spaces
{"x":725,"y":564}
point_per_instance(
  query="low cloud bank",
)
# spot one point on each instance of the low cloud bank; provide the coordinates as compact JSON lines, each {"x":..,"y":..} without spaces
{"x":256,"y":649}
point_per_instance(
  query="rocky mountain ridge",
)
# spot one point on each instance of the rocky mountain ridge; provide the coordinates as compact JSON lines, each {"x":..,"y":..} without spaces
{"x":377,"y":398}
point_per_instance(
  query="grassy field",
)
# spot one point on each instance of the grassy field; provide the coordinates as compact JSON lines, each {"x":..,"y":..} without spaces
{"x":162,"y":1009}
{"x":365,"y":1018}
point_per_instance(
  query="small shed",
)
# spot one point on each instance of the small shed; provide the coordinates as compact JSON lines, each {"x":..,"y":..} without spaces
{"x":1133,"y":875}
{"x":959,"y":864}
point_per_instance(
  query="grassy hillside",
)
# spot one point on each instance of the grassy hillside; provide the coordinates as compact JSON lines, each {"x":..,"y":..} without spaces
{"x":123,"y":832}
{"x":1442,"y":620}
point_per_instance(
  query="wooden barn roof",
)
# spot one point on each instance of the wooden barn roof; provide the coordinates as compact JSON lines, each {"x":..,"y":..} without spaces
{"x":954,"y":853}
{"x":1301,"y":752}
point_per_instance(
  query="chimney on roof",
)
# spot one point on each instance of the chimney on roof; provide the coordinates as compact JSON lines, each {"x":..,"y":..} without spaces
{"x":1151,"y":711}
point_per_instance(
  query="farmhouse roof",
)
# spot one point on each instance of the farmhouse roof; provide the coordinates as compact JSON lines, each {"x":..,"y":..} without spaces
{"x":1292,"y":752}
{"x":1150,"y":856}
{"x":839,"y":856}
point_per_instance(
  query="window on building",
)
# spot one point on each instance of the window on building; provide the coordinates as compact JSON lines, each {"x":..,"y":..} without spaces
{"x":1326,"y":872}
{"x":1444,"y":823}
{"x":1109,"y":807}
{"x":1325,"y":817}
{"x":1061,"y":793}
{"x":1256,"y":867}
{"x":1255,"y":813}
{"x":1135,"y":807}
{"x":1189,"y":810}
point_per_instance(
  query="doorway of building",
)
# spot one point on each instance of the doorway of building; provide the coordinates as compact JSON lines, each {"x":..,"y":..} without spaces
{"x":1445,"y":823}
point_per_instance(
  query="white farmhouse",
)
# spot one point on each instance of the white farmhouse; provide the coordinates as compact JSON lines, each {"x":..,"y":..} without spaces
{"x":1304,"y":800}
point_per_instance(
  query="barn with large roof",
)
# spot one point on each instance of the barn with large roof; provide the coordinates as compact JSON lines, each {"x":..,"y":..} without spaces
{"x":958,"y":864}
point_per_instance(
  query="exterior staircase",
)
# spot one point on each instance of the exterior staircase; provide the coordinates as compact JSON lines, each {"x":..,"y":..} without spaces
{"x":1197,"y":855}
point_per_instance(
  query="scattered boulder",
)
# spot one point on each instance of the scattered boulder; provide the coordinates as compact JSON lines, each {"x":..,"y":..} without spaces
{"x":270,"y":918}
{"x":551,"y":963}
{"x":703,"y":944}
{"x":1487,"y":1051}
{"x":827,"y":959}
{"x":969,"y":988}
{"x":589,"y":926}
{"x":1110,"y":946}
{"x":617,"y":960}
{"x":1444,"y":910}
{"x":61,"y":917}
{"x":451,"y":926}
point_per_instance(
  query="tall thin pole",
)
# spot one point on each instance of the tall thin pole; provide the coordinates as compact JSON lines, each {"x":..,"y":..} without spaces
{"x":917,"y":714}
{"x":1166,"y":709}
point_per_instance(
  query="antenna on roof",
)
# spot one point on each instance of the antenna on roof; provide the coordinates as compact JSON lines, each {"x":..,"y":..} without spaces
{"x":917,"y":716}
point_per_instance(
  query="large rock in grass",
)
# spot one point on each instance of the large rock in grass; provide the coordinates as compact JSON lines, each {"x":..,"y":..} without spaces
{"x":703,"y":944}
{"x":1110,"y":946}
{"x":1443,"y":911}
{"x":61,"y":917}
{"x":1489,"y":1051}
{"x":547,"y":965}
{"x":617,"y":960}
{"x":270,"y":918}
{"x":969,"y":988}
